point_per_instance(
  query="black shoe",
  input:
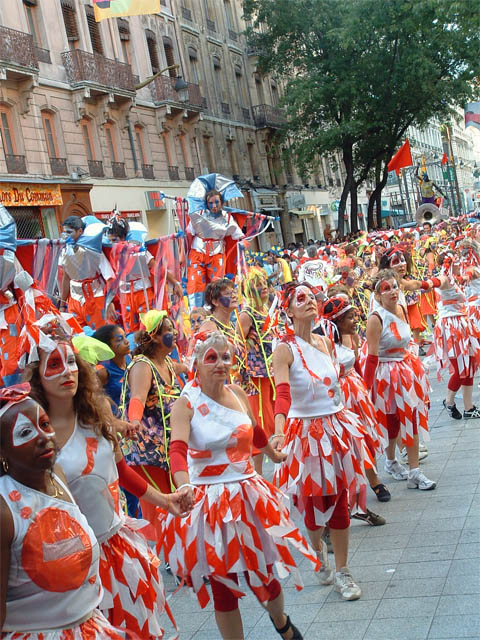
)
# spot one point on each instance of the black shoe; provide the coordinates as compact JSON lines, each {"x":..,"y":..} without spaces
{"x":452,"y":411}
{"x":288,"y":625}
{"x":474,"y":412}
{"x":382,"y":493}
{"x":370,"y":518}
{"x":421,"y":351}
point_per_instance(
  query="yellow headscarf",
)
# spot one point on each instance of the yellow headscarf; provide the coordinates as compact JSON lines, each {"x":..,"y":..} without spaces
{"x":152,"y":319}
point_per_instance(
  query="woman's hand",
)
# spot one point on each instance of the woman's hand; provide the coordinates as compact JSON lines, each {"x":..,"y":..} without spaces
{"x":129,"y":430}
{"x":276,"y":442}
{"x":277,"y":456}
{"x":181,"y":502}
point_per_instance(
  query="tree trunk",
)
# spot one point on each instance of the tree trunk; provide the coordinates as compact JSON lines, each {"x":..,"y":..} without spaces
{"x":347,"y":153}
{"x":353,"y":207}
{"x":376,"y":195}
{"x":370,"y":221}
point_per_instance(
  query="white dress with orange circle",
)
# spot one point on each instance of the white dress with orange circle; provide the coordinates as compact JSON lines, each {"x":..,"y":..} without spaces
{"x":239,"y":522}
{"x":53,"y":586}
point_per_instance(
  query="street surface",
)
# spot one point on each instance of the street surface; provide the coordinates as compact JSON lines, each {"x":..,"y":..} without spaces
{"x":419,"y":573}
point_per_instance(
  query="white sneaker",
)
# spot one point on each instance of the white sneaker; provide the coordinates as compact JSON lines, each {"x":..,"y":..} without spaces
{"x":422,"y":453}
{"x":417,"y":480}
{"x":396,"y":470}
{"x":345,"y":585}
{"x":325,"y":573}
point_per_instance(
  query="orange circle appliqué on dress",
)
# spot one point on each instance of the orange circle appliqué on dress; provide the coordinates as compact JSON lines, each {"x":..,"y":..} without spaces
{"x":26,"y":512}
{"x":331,"y":393}
{"x":56,"y":552}
{"x":327,"y":382}
{"x":15,"y":496}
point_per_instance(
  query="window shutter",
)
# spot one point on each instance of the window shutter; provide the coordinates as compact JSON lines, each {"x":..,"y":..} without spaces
{"x":70,"y":21}
{"x":167,"y":46}
{"x":152,"y":51}
{"x":94,"y":31}
{"x":123,"y":29}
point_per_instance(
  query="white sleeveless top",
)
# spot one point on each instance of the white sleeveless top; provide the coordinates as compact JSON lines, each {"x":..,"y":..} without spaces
{"x":89,"y":464}
{"x":473,"y":292}
{"x":345,"y":358}
{"x":374,"y":305}
{"x":395,"y":336}
{"x":220,"y":442}
{"x":53,"y":579}
{"x":452,"y":302}
{"x":312,"y":397}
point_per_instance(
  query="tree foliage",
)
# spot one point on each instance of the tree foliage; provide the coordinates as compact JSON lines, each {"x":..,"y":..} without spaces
{"x":358,"y":73}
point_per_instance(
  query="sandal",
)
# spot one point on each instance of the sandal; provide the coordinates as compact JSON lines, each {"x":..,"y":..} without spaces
{"x":288,"y":625}
{"x":382,"y":493}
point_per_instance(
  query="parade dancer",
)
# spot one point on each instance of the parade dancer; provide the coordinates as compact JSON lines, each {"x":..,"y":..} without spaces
{"x":456,"y":339}
{"x":397,"y":379}
{"x":324,"y":443}
{"x":239,"y":524}
{"x":133,"y":595}
{"x":49,"y":554}
{"x":85,"y":271}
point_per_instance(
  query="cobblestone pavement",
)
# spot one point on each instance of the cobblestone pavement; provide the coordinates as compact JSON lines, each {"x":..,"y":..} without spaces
{"x":419,"y":573}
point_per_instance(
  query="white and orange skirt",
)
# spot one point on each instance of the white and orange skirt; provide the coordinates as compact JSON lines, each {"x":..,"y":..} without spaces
{"x":95,"y":628}
{"x":457,"y":338}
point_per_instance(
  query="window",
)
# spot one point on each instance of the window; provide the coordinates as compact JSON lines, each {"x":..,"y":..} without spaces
{"x":6,"y":130}
{"x":259,"y":87}
{"x":70,"y":21}
{"x":232,"y":157}
{"x":251,"y":158}
{"x":110,"y":137}
{"x":217,"y":70}
{"x":185,"y":144}
{"x":192,"y":56}
{"x":242,"y":98}
{"x":274,"y":95}
{"x":152,"y":50}
{"x":87,"y":138}
{"x":31,"y":13}
{"x":168,"y":48}
{"x":229,"y":15}
{"x":208,"y":153}
{"x":124,"y":33}
{"x":48,"y":120}
{"x":94,"y":31}
{"x":140,"y":145}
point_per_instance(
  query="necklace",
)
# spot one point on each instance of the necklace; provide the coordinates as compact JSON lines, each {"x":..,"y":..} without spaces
{"x":58,"y":491}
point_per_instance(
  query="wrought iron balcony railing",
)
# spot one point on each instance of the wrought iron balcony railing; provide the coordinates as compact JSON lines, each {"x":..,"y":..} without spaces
{"x":16,"y":164}
{"x":246,"y":114}
{"x":186,"y":14}
{"x":189,"y":173}
{"x":173,"y":173}
{"x":17,"y":48}
{"x":118,"y":170}
{"x":163,"y":90}
{"x":211,"y":26}
{"x":93,"y":68}
{"x":225,"y":107}
{"x":233,"y":35}
{"x":147,"y":171}
{"x":95,"y":167}
{"x":266,"y":116}
{"x":59,"y":166}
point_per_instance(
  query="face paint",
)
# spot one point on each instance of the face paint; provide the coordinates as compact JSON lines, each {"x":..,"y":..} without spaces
{"x":302,"y":296}
{"x":195,"y":321}
{"x":167,"y":340}
{"x":397,"y":260}
{"x":225,"y":301}
{"x":25,"y":431}
{"x":214,"y":203}
{"x":60,"y":362}
{"x":211,"y":356}
{"x":386,"y":287}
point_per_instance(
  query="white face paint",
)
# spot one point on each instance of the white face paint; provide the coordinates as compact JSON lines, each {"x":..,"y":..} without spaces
{"x":302,"y":296}
{"x":60,"y":362}
{"x":25,"y":430}
{"x":212,"y":356}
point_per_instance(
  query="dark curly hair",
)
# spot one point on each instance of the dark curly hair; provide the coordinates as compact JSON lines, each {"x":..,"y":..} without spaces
{"x":145,"y":346}
{"x":90,"y":403}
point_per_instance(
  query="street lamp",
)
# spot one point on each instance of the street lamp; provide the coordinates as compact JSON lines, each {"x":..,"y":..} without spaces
{"x":181,"y":87}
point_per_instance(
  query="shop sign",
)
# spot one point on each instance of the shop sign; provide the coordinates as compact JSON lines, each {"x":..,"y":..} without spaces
{"x":30,"y":195}
{"x":155,"y":200}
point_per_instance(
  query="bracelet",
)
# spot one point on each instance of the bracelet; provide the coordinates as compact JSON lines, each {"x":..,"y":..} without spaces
{"x":276,"y":435}
{"x":186,"y":484}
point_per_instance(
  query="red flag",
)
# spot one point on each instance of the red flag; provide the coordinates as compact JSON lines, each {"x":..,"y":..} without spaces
{"x":403,"y":158}
{"x":444,"y":159}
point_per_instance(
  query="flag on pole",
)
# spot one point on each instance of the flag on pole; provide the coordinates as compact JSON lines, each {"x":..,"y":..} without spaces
{"x":444,"y":159}
{"x":403,"y":158}
{"x":118,"y":8}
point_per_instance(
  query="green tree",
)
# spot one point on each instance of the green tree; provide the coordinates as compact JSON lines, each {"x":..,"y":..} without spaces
{"x":358,"y":73}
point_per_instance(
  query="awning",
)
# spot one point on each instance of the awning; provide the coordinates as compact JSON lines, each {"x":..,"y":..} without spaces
{"x":302,"y":213}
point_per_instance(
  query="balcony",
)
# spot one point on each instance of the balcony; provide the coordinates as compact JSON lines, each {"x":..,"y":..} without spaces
{"x":18,"y":57}
{"x":186,"y":14}
{"x":59,"y":166}
{"x":43,"y":55}
{"x":189,"y":173}
{"x":173,"y":173}
{"x":211,"y":27}
{"x":225,"y":108}
{"x":245,"y":114}
{"x":16,"y":164}
{"x":232,"y":35}
{"x":95,"y":167}
{"x":147,"y":171}
{"x":163,"y":92}
{"x":267,"y":117}
{"x":118,"y":170}
{"x":99,"y":74}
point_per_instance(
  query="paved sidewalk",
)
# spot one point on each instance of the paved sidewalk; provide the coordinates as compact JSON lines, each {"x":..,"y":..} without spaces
{"x":419,"y":573}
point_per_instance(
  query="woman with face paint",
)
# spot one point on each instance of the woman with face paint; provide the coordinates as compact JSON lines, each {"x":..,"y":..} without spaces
{"x":339,"y":315}
{"x":456,"y":339}
{"x":221,"y":299}
{"x":255,"y":334}
{"x":150,"y":387}
{"x":89,"y":454}
{"x":239,"y":525}
{"x":49,"y":554}
{"x":324,"y":443}
{"x":397,"y":380}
